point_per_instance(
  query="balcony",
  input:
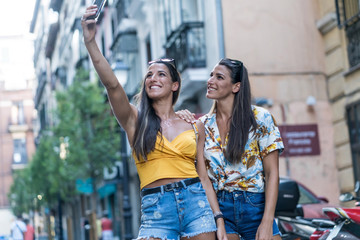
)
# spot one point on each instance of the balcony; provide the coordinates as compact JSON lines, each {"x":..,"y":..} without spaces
{"x":187,"y":46}
{"x":16,"y":128}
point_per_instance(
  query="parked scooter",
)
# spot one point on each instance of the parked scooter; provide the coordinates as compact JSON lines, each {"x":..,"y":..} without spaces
{"x":346,"y":220}
{"x":289,"y":214}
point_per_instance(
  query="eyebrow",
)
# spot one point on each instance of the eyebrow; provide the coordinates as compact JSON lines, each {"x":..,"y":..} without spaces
{"x":219,"y":74}
{"x":160,"y":71}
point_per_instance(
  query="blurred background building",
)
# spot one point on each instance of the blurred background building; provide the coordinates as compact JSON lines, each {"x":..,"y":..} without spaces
{"x":302,"y":56}
{"x":17,"y":114}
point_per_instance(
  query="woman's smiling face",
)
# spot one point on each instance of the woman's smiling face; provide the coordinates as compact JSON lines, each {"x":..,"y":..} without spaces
{"x":158,"y":82}
{"x":219,"y":85}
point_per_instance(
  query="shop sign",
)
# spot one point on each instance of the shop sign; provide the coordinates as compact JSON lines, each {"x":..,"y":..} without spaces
{"x":300,"y":140}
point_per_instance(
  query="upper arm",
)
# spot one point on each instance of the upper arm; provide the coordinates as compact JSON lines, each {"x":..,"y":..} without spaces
{"x":271,"y":163}
{"x":125,"y":113}
{"x":200,"y":166}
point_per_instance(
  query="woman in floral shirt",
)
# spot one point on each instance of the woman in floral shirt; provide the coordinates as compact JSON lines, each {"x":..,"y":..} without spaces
{"x":242,"y":150}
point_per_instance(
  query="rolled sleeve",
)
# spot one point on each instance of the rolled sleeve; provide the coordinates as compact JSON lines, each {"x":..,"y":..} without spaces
{"x":269,"y":136}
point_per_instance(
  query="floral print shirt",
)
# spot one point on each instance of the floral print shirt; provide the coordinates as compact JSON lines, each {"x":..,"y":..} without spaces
{"x":247,"y":174}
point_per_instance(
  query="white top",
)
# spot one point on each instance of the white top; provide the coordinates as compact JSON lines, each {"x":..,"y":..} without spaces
{"x":18,"y":228}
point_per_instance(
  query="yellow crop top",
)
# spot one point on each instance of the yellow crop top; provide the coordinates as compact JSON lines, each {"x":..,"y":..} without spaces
{"x":173,"y":159}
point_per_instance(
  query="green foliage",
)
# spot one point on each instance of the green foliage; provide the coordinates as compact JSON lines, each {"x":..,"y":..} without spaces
{"x":82,"y":143}
{"x":20,"y":196}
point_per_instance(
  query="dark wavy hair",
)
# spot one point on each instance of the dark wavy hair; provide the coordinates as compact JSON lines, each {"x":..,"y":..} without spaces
{"x":148,"y":123}
{"x":242,"y":118}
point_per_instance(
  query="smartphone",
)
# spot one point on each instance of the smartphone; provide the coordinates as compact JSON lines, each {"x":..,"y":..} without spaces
{"x":100,"y":4}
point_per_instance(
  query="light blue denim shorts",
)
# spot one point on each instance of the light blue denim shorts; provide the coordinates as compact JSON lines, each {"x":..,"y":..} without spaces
{"x":243,"y":212}
{"x":180,"y":212}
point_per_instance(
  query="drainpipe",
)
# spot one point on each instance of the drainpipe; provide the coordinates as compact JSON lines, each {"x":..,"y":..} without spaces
{"x":220,"y":28}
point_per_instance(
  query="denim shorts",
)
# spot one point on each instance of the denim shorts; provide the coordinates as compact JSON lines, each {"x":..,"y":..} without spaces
{"x":243,"y":212}
{"x":181,"y":212}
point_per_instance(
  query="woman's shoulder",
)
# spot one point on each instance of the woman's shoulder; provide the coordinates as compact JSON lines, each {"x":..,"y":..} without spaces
{"x":182,"y":125}
{"x":261,"y":114}
{"x":208,"y":118}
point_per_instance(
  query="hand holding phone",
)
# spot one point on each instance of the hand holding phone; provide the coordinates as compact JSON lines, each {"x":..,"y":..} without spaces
{"x":100,"y":5}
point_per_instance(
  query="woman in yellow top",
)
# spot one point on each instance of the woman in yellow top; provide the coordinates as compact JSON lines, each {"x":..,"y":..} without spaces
{"x":174,"y":203}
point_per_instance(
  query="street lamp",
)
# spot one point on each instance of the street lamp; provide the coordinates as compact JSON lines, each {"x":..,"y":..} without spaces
{"x":121,"y":70}
{"x":126,"y":190}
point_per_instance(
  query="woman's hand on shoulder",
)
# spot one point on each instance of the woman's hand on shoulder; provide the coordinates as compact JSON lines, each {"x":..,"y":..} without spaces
{"x":89,"y":25}
{"x":186,"y":115}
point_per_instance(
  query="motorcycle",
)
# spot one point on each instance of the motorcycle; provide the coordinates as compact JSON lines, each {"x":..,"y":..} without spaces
{"x":346,"y":220}
{"x":290,"y":216}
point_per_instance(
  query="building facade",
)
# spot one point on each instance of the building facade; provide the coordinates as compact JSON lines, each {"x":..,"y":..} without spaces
{"x":17,"y":114}
{"x":295,"y":52}
{"x":340,"y":31}
{"x":282,"y":48}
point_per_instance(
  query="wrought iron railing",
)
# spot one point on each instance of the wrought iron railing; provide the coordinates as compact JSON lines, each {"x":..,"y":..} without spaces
{"x":348,"y":17}
{"x":347,"y":12}
{"x":353,"y":48}
{"x":187,"y":46}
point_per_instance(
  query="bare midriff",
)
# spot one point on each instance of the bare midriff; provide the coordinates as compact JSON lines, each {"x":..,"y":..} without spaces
{"x":163,"y":181}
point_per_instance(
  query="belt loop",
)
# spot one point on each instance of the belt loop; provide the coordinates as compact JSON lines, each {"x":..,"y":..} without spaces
{"x":162,"y":190}
{"x":245,"y":194}
{"x":221,"y":194}
{"x":183,"y":183}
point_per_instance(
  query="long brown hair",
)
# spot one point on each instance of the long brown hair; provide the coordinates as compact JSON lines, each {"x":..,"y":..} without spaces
{"x":148,"y":123}
{"x":242,"y":118}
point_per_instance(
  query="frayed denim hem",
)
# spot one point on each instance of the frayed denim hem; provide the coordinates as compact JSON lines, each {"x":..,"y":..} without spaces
{"x":197,"y":233}
{"x":162,"y":238}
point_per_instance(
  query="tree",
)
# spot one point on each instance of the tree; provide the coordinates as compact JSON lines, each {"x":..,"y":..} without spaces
{"x":87,"y":126}
{"x":79,"y":146}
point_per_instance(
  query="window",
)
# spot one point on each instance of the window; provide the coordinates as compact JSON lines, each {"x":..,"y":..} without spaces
{"x":307,"y":197}
{"x":17,"y":113}
{"x":19,"y":155}
{"x":348,"y":16}
{"x":43,"y":121}
{"x":148,"y":49}
{"x":5,"y":55}
{"x":121,"y":9}
{"x":353,"y":117}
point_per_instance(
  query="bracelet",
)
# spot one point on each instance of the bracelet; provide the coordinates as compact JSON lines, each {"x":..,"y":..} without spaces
{"x":218,"y":215}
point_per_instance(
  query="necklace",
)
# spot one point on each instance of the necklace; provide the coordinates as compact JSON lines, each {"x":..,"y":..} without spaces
{"x":167,"y":123}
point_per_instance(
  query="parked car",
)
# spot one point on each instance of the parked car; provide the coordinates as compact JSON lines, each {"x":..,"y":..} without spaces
{"x":295,"y":197}
{"x":312,"y":204}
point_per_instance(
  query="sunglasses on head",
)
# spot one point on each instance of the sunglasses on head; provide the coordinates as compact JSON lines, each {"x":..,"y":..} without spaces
{"x":164,"y":60}
{"x":237,"y":62}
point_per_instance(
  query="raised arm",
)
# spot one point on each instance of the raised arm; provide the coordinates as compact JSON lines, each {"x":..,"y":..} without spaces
{"x":205,"y":181}
{"x":125,"y":112}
